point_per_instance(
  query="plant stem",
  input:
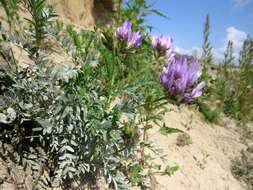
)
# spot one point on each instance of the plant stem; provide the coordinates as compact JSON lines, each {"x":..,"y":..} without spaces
{"x":144,"y":139}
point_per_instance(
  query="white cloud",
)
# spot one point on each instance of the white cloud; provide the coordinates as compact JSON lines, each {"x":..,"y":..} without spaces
{"x":241,"y":3}
{"x":218,"y":53}
{"x":233,"y":34}
{"x":236,"y":36}
{"x":195,"y":51}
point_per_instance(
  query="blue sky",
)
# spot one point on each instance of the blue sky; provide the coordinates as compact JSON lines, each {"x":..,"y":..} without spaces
{"x":230,"y":20}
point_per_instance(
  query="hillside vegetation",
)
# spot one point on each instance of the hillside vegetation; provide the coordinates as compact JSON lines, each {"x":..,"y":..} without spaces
{"x":115,"y":108}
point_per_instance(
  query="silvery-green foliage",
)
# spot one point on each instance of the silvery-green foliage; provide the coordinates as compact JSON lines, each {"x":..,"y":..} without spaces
{"x":82,"y":133}
{"x":8,"y":117}
{"x":24,"y":100}
{"x":65,"y":72}
{"x":80,"y":121}
{"x":79,"y":45}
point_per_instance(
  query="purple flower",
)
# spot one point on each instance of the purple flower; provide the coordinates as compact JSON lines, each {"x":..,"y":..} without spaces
{"x":124,"y":31}
{"x":196,"y":92}
{"x":160,"y":42}
{"x":155,"y":41}
{"x":178,"y":77}
{"x":135,"y":40}
{"x":170,"y":55}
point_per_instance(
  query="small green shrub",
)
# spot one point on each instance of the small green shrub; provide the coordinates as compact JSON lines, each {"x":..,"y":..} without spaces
{"x":224,"y":78}
{"x":242,"y":168}
{"x":247,"y":132}
{"x":184,"y":139}
{"x":209,"y":114}
{"x":234,"y":83}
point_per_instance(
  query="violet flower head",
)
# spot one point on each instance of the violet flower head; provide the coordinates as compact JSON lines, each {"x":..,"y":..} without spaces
{"x":170,"y":55}
{"x":155,"y":41}
{"x":123,"y":32}
{"x":135,"y":40}
{"x":160,"y":42}
{"x":179,"y":76}
{"x":196,"y":92}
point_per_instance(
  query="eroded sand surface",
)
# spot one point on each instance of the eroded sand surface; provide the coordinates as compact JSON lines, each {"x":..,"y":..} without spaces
{"x":204,"y":164}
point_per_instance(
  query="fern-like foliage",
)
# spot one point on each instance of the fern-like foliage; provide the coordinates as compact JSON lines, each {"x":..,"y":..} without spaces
{"x":41,"y":16}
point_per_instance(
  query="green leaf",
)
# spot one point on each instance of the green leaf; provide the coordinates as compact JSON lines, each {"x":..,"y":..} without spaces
{"x":153,"y":11}
{"x":170,"y":170}
{"x":167,"y":130}
{"x":3,"y":118}
{"x":43,"y":122}
{"x":69,"y":148}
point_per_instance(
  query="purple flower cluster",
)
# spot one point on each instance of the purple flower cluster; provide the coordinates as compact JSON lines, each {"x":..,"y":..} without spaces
{"x":124,"y":33}
{"x":179,"y":74}
{"x":160,"y":42}
{"x":164,"y":46}
{"x":178,"y":77}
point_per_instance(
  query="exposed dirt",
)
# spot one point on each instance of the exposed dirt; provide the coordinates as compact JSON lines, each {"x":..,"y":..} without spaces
{"x":204,"y":164}
{"x":84,"y":13}
{"x":13,"y":177}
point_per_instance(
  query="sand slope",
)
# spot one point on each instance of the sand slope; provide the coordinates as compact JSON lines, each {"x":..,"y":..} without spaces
{"x":205,"y":164}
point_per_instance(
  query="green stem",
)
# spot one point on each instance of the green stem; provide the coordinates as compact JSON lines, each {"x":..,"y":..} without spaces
{"x":144,"y":139}
{"x":157,"y":100}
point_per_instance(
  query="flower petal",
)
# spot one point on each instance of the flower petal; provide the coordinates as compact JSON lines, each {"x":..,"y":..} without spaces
{"x":197,"y":91}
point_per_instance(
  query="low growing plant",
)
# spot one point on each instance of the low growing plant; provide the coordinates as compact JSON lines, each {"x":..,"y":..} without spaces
{"x":90,"y":118}
{"x":183,"y":139}
{"x":242,"y":168}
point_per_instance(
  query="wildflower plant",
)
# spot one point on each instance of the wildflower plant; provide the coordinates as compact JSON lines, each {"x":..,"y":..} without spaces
{"x":160,"y":42}
{"x":179,"y":75}
{"x":125,"y":34}
{"x":92,"y":119}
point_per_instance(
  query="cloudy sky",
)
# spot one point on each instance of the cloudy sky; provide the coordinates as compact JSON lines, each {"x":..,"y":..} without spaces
{"x":230,"y":20}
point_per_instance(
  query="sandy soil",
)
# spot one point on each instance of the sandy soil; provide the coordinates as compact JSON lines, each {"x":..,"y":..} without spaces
{"x":204,"y":164}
